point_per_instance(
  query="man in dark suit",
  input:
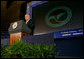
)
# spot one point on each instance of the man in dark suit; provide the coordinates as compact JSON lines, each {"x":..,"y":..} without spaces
{"x":26,"y":17}
{"x":29,"y":22}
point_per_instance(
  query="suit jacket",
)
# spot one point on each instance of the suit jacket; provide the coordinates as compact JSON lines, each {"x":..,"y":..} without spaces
{"x":30,"y":24}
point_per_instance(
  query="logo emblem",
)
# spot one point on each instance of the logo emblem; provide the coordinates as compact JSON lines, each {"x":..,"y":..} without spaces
{"x":14,"y":25}
{"x":58,"y":16}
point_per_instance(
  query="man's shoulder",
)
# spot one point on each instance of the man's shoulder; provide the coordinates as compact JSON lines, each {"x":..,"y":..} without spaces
{"x":29,"y":22}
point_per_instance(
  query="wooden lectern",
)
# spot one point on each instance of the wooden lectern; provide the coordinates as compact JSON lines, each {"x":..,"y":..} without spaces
{"x":17,"y":30}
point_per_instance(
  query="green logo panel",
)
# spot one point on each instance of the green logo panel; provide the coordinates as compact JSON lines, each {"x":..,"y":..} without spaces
{"x":62,"y":15}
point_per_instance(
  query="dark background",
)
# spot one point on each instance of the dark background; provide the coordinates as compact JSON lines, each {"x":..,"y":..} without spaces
{"x":12,"y":11}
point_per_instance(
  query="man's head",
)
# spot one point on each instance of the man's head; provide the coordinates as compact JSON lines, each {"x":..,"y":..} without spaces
{"x":27,"y":17}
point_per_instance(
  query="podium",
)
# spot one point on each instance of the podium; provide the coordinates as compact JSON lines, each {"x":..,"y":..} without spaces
{"x":17,"y":30}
